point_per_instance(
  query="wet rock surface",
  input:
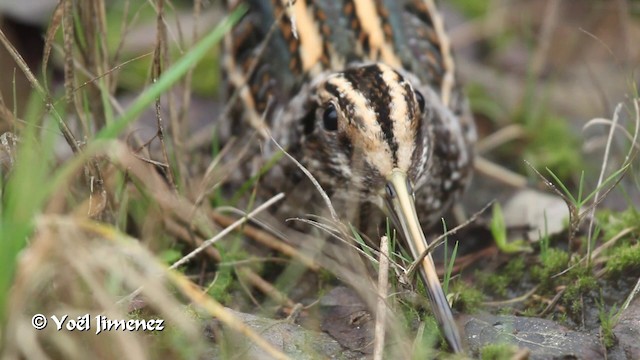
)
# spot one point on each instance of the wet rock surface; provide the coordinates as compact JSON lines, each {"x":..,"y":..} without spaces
{"x":627,"y":333}
{"x":348,"y":334}
{"x":346,"y":319}
{"x":545,"y":339}
{"x":293,"y":340}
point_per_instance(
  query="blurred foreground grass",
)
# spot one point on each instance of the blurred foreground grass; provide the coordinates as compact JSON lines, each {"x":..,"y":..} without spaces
{"x":91,"y":219}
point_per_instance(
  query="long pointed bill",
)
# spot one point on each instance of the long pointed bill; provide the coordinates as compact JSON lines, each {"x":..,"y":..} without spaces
{"x":402,"y":209}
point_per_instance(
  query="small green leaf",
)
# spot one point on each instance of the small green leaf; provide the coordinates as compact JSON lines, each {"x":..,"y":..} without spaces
{"x":499,"y":231}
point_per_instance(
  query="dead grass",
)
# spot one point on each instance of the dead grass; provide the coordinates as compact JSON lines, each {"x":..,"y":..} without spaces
{"x":100,"y":218}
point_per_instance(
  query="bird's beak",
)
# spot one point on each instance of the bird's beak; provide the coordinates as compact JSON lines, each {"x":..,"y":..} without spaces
{"x":401,"y":207}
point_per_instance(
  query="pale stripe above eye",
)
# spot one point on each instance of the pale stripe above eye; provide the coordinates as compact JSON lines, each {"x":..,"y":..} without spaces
{"x":401,"y":115}
{"x":379,"y":108}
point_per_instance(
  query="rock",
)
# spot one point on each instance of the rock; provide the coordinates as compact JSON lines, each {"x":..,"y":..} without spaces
{"x":627,"y":331}
{"x":542,"y":212}
{"x":545,"y":339}
{"x":29,"y":11}
{"x":293,"y":340}
{"x":346,"y":318}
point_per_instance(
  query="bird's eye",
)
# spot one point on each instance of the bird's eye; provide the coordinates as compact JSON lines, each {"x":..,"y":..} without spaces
{"x":391,"y":192}
{"x":330,"y":118}
{"x":420,"y":100}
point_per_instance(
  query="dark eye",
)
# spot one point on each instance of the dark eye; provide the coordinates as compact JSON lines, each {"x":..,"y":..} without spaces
{"x":391,"y":192}
{"x":420,"y":100}
{"x":330,"y":118}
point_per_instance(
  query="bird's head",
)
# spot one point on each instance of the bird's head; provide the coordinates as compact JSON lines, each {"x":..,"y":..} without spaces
{"x":367,"y":135}
{"x":363,"y":125}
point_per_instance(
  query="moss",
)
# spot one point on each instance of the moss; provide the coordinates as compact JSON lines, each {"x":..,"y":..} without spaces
{"x":499,"y":282}
{"x":614,"y":222}
{"x":468,"y":299}
{"x":176,"y":344}
{"x":583,"y":283}
{"x":552,"y":262}
{"x":515,"y":268}
{"x":494,"y":283}
{"x":552,"y":132}
{"x":505,"y":311}
{"x":497,"y":352}
{"x":428,"y":337}
{"x":623,"y":258}
{"x":607,"y":322}
{"x":225,"y":282}
{"x":561,"y":318}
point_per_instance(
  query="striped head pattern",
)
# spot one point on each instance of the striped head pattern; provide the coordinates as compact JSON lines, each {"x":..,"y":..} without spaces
{"x":362,"y":123}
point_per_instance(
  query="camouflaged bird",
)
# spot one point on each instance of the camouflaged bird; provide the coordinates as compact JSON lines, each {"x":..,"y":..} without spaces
{"x":363,"y":94}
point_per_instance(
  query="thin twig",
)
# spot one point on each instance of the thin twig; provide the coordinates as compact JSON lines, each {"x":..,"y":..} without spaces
{"x":266,"y":287}
{"x":211,"y":241}
{"x":227,"y":230}
{"x":574,"y":215}
{"x":316,"y":184}
{"x":550,"y":22}
{"x":221,"y":313}
{"x":500,"y":137}
{"x":71,"y":140}
{"x":632,"y":294}
{"x":15,"y":55}
{"x":442,"y":238}
{"x":499,"y":173}
{"x":192,"y":240}
{"x":268,"y":240}
{"x":600,"y":121}
{"x":552,"y":303}
{"x":159,"y":58}
{"x":514,"y":300}
{"x":338,"y":234}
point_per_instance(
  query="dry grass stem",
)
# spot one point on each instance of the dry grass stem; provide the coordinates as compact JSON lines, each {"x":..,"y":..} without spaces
{"x":603,"y":168}
{"x":216,"y":309}
{"x":190,"y":239}
{"x":265,"y":287}
{"x":343,"y":237}
{"x":268,"y":240}
{"x":502,"y":136}
{"x":514,"y":300}
{"x":316,"y":184}
{"x":442,"y":238}
{"x":448,"y":78}
{"x":66,"y":131}
{"x":160,"y":56}
{"x":549,"y":24}
{"x":381,"y":309}
{"x":227,"y":230}
{"x":499,"y":173}
{"x":632,"y":295}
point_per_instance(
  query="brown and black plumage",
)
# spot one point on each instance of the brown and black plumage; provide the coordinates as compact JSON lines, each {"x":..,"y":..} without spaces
{"x":363,"y":94}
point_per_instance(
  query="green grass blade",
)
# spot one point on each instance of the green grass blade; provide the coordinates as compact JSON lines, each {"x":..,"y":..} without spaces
{"x":605,"y":182}
{"x":562,"y":186}
{"x":449,"y":268}
{"x":171,"y":76}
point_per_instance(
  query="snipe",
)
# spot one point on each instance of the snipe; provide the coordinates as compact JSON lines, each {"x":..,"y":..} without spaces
{"x":363,"y":94}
